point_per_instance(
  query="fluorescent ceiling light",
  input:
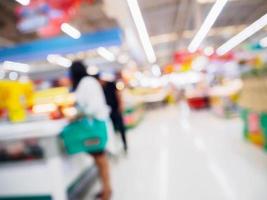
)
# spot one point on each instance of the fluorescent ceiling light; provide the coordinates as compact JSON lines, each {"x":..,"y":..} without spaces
{"x":208,"y":23}
{"x":263,"y":42}
{"x":24,"y":2}
{"x":70,"y":30}
{"x":59,"y":60}
{"x":106,"y":54}
{"x":243,"y":35}
{"x":13,"y":76}
{"x":142,"y":31}
{"x":15,"y":66}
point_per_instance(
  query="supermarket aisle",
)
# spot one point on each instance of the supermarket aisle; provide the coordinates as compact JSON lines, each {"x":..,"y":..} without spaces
{"x":180,"y":155}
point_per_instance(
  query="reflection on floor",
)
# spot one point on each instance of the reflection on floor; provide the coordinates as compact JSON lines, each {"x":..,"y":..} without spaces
{"x":175,"y":154}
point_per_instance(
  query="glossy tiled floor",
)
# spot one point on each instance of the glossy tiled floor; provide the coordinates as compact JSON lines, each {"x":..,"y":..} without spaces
{"x":180,"y":155}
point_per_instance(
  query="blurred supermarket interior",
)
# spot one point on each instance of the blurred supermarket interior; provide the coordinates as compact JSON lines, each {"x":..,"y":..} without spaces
{"x":192,"y":78}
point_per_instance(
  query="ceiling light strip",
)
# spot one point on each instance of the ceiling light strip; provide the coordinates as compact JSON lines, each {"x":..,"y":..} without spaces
{"x":243,"y":35}
{"x":142,"y":31}
{"x":70,"y":30}
{"x":15,"y":66}
{"x":206,"y":26}
{"x":59,"y":60}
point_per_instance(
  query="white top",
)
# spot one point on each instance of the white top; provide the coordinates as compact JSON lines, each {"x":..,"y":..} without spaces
{"x":90,"y":97}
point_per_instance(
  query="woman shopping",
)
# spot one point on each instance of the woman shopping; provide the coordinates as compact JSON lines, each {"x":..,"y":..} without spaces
{"x":91,"y":101}
{"x":114,"y":101}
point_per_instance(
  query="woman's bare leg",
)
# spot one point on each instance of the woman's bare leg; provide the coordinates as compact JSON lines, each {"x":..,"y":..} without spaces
{"x":101,"y":162}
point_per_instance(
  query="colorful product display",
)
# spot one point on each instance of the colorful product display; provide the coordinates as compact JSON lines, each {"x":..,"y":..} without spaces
{"x":133,"y":115}
{"x":197,"y":97}
{"x":199,"y":102}
{"x":255,"y":127}
{"x":253,"y":101}
{"x":224,"y":98}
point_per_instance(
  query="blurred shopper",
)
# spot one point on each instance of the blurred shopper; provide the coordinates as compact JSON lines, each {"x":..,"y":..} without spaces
{"x":90,"y":98}
{"x":114,"y":100}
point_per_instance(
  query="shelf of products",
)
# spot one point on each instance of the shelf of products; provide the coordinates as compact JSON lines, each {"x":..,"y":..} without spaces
{"x":224,"y":98}
{"x":134,"y":110}
{"x":133,"y":115}
{"x":254,"y":108}
{"x":148,"y":95}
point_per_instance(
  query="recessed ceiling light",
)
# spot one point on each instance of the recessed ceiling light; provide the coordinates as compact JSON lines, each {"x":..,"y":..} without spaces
{"x":70,"y":30}
{"x":15,"y":66}
{"x":59,"y":60}
{"x":13,"y":76}
{"x":24,"y":2}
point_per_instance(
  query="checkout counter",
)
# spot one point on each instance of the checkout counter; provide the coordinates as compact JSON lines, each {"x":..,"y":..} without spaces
{"x":46,"y":174}
{"x":33,"y":163}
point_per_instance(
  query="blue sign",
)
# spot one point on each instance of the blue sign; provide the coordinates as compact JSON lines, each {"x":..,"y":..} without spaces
{"x":39,"y":49}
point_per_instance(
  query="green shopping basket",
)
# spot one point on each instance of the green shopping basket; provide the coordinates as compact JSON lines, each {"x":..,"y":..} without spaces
{"x":85,"y":135}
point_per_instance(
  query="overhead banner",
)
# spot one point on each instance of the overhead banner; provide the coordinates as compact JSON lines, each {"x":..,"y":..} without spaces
{"x":39,"y":49}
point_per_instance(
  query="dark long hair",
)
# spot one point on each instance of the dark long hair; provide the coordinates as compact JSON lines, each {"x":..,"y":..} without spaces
{"x":77,"y":73}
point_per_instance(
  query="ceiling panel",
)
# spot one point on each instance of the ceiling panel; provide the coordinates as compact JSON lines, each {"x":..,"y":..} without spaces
{"x":160,"y":21}
{"x":240,"y":12}
{"x":160,"y":15}
{"x":155,"y":4}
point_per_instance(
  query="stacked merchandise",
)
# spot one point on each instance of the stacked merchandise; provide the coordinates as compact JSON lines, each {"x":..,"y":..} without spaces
{"x":254,"y":108}
{"x":133,"y":115}
{"x":133,"y":110}
{"x":224,"y":98}
{"x":149,"y":95}
{"x":21,"y":102}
